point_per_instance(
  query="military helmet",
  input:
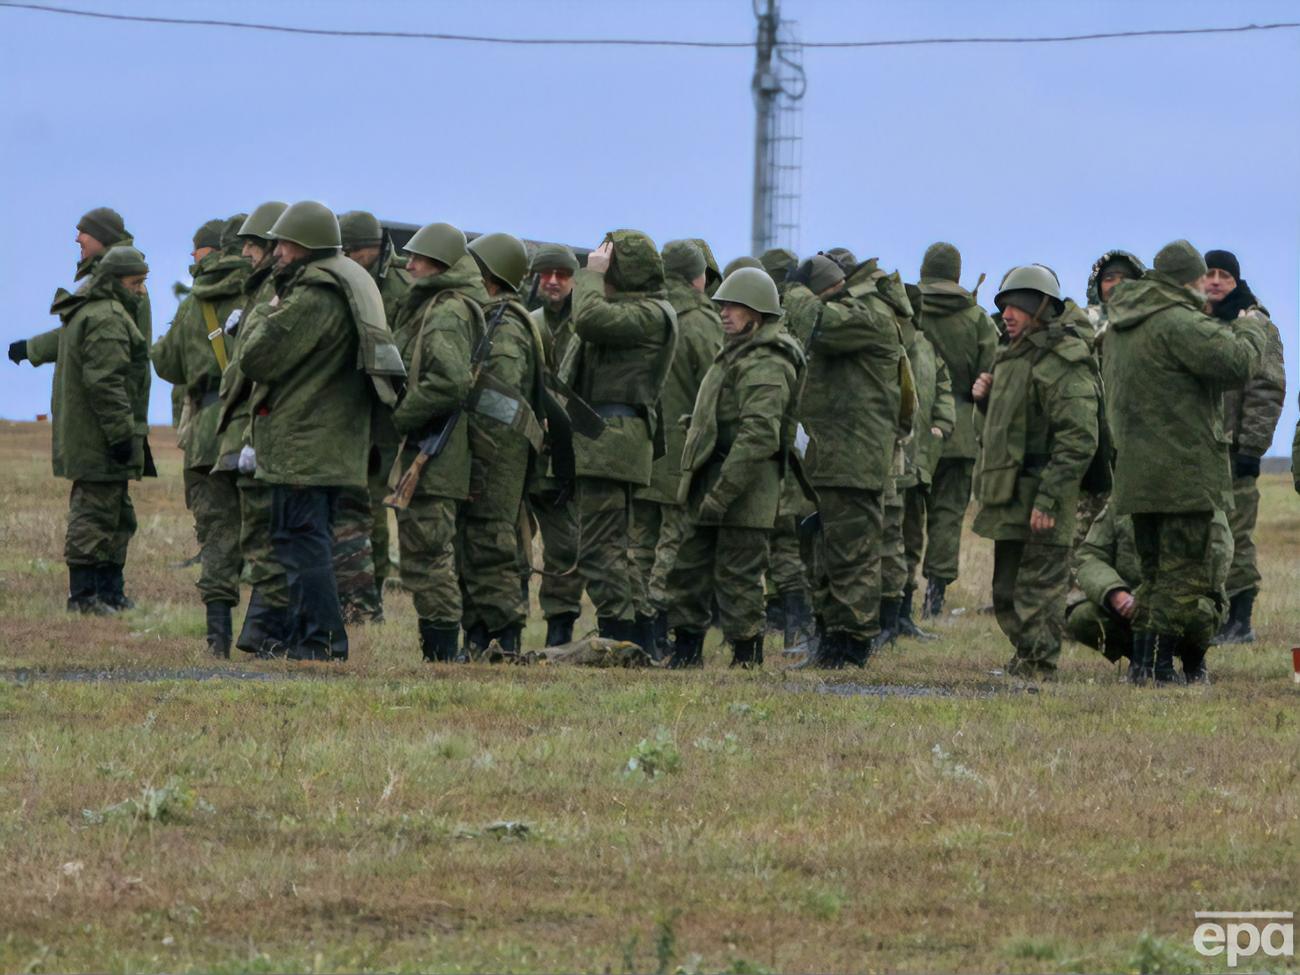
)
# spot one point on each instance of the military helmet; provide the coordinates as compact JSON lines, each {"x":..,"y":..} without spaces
{"x":1024,"y":288}
{"x":308,"y":224}
{"x":752,"y":287}
{"x":358,"y":228}
{"x":553,"y":257}
{"x":683,"y":259}
{"x":261,"y":220}
{"x":738,"y":263}
{"x":439,"y":242}
{"x":502,"y":256}
{"x":122,"y":261}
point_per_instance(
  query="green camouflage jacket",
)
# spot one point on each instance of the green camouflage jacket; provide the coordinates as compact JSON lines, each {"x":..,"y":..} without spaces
{"x":1250,"y":413}
{"x":1038,"y":435}
{"x":1166,"y":367}
{"x":234,"y":423}
{"x":935,"y":409}
{"x":966,"y":339}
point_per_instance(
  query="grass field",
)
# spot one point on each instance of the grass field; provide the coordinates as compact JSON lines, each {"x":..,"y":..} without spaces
{"x":384,"y":814}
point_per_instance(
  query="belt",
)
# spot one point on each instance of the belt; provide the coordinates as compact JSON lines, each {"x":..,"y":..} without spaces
{"x":608,"y":410}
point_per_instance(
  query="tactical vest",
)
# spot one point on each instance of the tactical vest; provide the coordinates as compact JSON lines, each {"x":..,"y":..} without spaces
{"x":377,"y":353}
{"x":500,"y":402}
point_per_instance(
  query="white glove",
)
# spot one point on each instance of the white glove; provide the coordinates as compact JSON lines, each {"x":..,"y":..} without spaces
{"x":232,"y":321}
{"x":801,"y":440}
{"x":247,"y":460}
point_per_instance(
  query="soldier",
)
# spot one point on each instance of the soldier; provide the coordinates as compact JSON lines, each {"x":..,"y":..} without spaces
{"x":659,"y":523}
{"x":100,"y":405}
{"x":361,"y":540}
{"x":1038,"y":413}
{"x":193,"y":356}
{"x":436,"y":332}
{"x":1100,"y":613}
{"x":1250,"y":416}
{"x":712,"y":274}
{"x":965,"y":338}
{"x":560,"y":592}
{"x":905,"y":508}
{"x":851,"y":410}
{"x":505,"y":415}
{"x":740,"y":436}
{"x":778,"y":262}
{"x":319,"y":351}
{"x":627,"y":333}
{"x":266,"y":621}
{"x":1166,"y":366}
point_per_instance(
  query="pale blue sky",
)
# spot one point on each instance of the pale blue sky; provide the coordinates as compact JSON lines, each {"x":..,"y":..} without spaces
{"x":1048,"y":153}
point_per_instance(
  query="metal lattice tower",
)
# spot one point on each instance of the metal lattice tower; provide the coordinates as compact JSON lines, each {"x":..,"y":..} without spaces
{"x":778,"y":88}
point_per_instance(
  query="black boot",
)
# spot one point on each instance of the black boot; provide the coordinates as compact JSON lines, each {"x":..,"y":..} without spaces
{"x":559,"y":629}
{"x":889,"y":612}
{"x":438,"y":642}
{"x":476,"y":641}
{"x":1242,"y":609}
{"x":112,"y":587}
{"x":1194,"y":663}
{"x":688,"y":651}
{"x":906,"y":625}
{"x":663,"y":644}
{"x":933,"y":603}
{"x":747,"y":653}
{"x":609,"y":628}
{"x":645,"y":634}
{"x":220,"y":632}
{"x":83,"y":592}
{"x":1166,"y":651}
{"x":1141,"y":668}
{"x":508,"y":638}
{"x":858,"y":651}
{"x":826,"y":652}
{"x":774,"y":615}
{"x":798,"y":617}
{"x":265,"y":629}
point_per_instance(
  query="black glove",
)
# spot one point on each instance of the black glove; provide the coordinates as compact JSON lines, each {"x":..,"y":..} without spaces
{"x":801,"y":274}
{"x":18,"y":351}
{"x":121,"y":452}
{"x":1243,"y":465}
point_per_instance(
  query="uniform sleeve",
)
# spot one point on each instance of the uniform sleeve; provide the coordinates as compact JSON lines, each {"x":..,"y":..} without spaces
{"x":1071,"y":404}
{"x":944,"y":414}
{"x":764,"y":391}
{"x":444,"y":380}
{"x":857,"y":325}
{"x":286,"y":333}
{"x":1262,"y":399}
{"x":106,"y":354}
{"x":1227,"y":354}
{"x":986,"y":342}
{"x":43,"y":348}
{"x":1295,"y":457}
{"x":1094,"y":560}
{"x":168,"y":352}
{"x":619,"y":324}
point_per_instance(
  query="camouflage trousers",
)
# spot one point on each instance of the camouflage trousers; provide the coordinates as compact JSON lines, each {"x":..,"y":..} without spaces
{"x":1089,"y":507}
{"x":557,"y":593}
{"x":1107,"y":633}
{"x":786,"y":572}
{"x":354,"y":564}
{"x":726,"y":563}
{"x":101,"y":521}
{"x":1179,"y":595}
{"x":1030,"y":581}
{"x":214,"y":501}
{"x":261,"y":570}
{"x":893,"y":553}
{"x":643,"y":540}
{"x":490,"y":580}
{"x":605,"y":560}
{"x":1243,"y":575}
{"x":426,"y":536}
{"x":846,"y":561}
{"x":916,"y":501}
{"x":380,"y":536}
{"x":946,"y":505}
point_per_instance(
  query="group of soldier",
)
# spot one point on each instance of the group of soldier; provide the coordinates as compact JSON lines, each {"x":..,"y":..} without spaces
{"x":782,"y":443}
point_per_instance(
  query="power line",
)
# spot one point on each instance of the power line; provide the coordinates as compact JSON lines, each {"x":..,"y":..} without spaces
{"x":628,"y":41}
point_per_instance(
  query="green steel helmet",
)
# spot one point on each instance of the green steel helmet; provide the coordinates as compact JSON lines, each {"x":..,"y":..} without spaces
{"x":439,"y":242}
{"x":308,"y":224}
{"x":778,"y":262}
{"x":844,"y":257}
{"x":1024,"y":287}
{"x":738,"y":263}
{"x":261,"y":220}
{"x":230,"y":242}
{"x":358,"y":228}
{"x":502,"y":256}
{"x":209,"y":235}
{"x":553,"y":257}
{"x":752,"y":287}
{"x":825,"y":274}
{"x":122,"y":261}
{"x":1181,"y":262}
{"x":942,"y":262}
{"x":683,"y":259}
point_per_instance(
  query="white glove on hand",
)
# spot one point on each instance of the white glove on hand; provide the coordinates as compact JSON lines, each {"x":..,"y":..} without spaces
{"x":247,"y":460}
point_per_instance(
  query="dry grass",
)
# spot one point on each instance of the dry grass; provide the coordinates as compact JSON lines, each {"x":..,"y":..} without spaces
{"x":358,"y":817}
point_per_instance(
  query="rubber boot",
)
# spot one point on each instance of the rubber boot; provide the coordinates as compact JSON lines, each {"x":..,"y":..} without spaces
{"x":663,"y":645}
{"x":610,"y":628}
{"x":747,"y":654}
{"x":644,"y":633}
{"x":797,"y":614}
{"x":83,"y":592}
{"x":508,"y":638}
{"x":559,"y":629}
{"x":826,"y":654}
{"x":1243,"y":608}
{"x":933,"y":603}
{"x":476,"y":641}
{"x":858,"y":651}
{"x":889,"y":611}
{"x":1141,"y":668}
{"x":1194,"y":671}
{"x":1166,"y":651}
{"x":220,"y":632}
{"x":438,"y":642}
{"x":112,"y":586}
{"x":906,"y":625}
{"x":1228,"y":631}
{"x":688,"y":651}
{"x":263,"y":625}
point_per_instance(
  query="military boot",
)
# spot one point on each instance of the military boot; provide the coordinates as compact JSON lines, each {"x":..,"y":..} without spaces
{"x":645,"y":634}
{"x":688,"y":651}
{"x":1166,"y":651}
{"x":1237,"y":628}
{"x":1141,"y":668}
{"x":932,"y":606}
{"x":112,"y":586}
{"x":774,"y":614}
{"x":857,"y":651}
{"x":263,"y":624}
{"x":559,"y":629}
{"x":508,"y":638}
{"x":83,"y":592}
{"x":477,"y":639}
{"x":906,"y":625}
{"x":1194,"y":671}
{"x":797,"y":614}
{"x":889,"y":612}
{"x":825,"y":652}
{"x":747,"y":654}
{"x":220,"y":631}
{"x":438,"y":642}
{"x":663,"y":643}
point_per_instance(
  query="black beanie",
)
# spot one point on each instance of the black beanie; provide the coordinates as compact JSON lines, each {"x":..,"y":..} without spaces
{"x":1224,"y":261}
{"x":104,"y":224}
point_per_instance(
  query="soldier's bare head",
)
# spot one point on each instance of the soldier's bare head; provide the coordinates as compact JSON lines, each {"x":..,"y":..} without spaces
{"x":134,"y":283}
{"x":90,"y":247}
{"x":737,"y":319}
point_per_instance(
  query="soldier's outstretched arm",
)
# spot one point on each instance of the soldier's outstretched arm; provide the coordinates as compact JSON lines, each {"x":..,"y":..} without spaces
{"x":106,"y":351}
{"x":286,"y":333}
{"x":614,"y":323}
{"x":43,"y":348}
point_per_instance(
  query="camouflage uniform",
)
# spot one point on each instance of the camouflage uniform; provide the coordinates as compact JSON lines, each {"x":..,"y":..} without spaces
{"x":1166,"y":364}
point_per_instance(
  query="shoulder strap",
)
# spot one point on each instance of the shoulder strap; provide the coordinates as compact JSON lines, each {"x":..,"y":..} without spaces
{"x":216,"y":337}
